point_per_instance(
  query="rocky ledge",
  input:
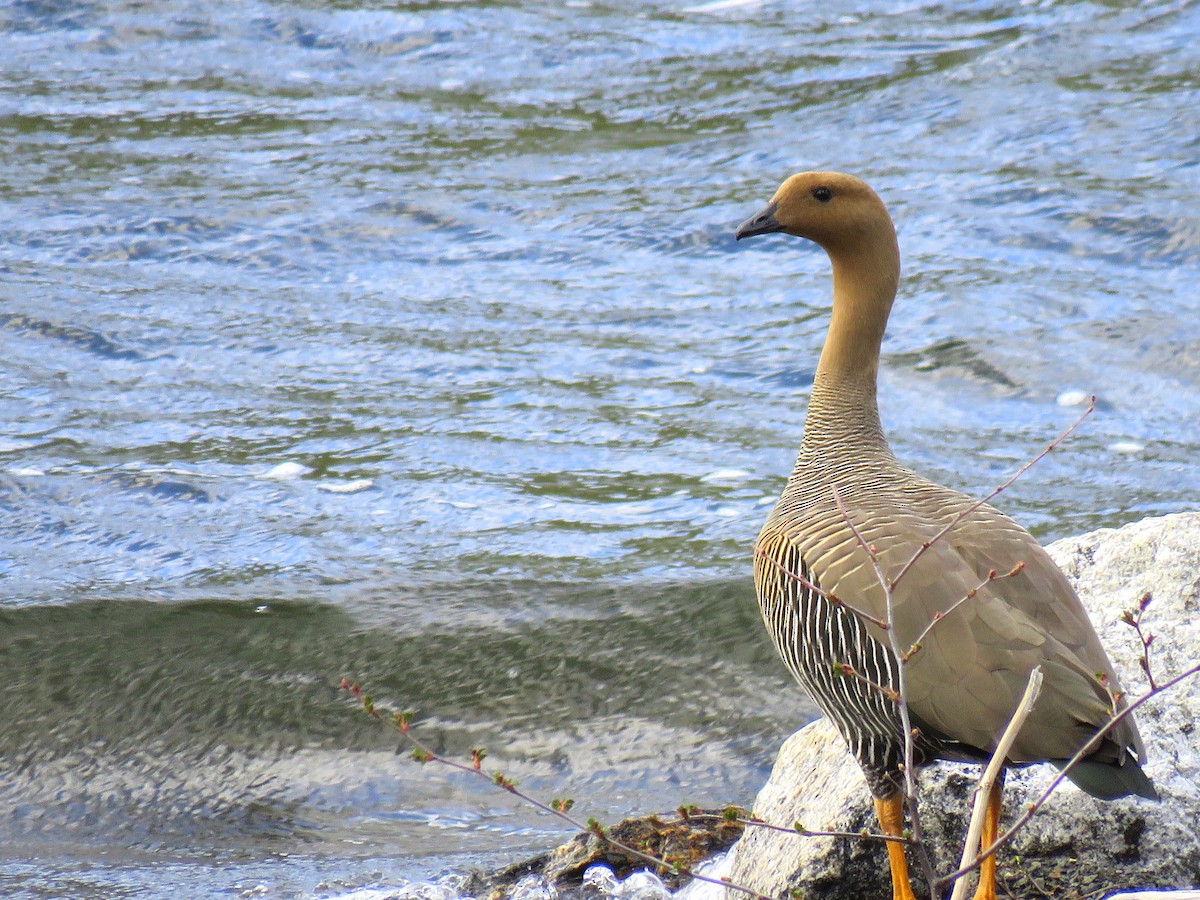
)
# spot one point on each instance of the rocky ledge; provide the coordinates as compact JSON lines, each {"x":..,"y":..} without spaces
{"x":1075,"y":846}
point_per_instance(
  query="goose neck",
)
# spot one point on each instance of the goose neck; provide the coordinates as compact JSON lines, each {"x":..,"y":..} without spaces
{"x":843,"y":408}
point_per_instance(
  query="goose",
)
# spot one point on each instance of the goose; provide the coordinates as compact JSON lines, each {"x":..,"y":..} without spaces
{"x":823,"y":601}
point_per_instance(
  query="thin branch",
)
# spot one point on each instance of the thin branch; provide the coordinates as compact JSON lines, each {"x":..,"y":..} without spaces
{"x":1133,"y":618}
{"x":915,"y":647}
{"x":401,"y":721}
{"x":848,"y":671}
{"x":820,"y":592}
{"x":870,"y":549}
{"x":864,"y":834}
{"x":995,"y":492}
{"x":799,"y":829}
{"x":1084,"y":751}
{"x":991,"y":773}
{"x":910,"y":750}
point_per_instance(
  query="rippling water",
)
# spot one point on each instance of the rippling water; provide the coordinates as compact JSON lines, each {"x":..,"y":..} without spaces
{"x":411,"y":343}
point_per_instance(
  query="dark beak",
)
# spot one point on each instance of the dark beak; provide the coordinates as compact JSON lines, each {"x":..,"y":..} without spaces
{"x":763,"y":223}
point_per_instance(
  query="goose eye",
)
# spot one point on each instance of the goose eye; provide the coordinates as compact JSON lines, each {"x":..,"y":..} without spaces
{"x":823,"y":194}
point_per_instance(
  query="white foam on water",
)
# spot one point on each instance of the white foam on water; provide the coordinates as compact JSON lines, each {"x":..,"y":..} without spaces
{"x":725,"y":475}
{"x":346,"y":487}
{"x":1072,"y":398}
{"x":286,"y":471}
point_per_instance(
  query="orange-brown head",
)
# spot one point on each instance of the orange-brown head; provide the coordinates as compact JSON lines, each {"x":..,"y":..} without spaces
{"x":837,"y":211}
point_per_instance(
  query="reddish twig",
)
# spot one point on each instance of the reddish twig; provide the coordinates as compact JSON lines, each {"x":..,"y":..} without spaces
{"x":848,"y":671}
{"x":1084,"y":751}
{"x":915,"y":647}
{"x":1133,"y":618}
{"x":995,"y":492}
{"x":759,"y":553}
{"x":559,"y":808}
{"x":901,"y":688}
{"x":798,"y":828}
{"x":730,"y":815}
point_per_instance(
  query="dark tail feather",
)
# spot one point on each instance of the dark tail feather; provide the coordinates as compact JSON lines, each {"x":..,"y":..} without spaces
{"x":1108,"y":781}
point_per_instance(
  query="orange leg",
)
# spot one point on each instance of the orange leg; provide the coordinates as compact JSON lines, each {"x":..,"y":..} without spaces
{"x":991,"y":828}
{"x":891,"y":821}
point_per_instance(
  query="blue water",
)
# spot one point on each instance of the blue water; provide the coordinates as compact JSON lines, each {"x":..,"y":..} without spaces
{"x":411,"y":344}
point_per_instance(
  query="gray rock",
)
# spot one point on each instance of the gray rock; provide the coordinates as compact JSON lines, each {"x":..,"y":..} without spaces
{"x":1075,"y":846}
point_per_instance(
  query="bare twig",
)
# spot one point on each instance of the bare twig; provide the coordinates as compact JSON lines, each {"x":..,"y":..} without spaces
{"x":910,"y":750}
{"x":1084,"y":751}
{"x":991,"y":774}
{"x":848,"y":671}
{"x":759,"y":553}
{"x":871,"y":551}
{"x":864,"y":834}
{"x":995,"y":492}
{"x":915,"y":647}
{"x":1133,"y":618}
{"x":402,"y":721}
{"x":798,"y":828}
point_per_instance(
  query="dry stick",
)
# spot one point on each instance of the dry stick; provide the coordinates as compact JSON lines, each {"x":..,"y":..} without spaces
{"x":422,"y":753}
{"x":915,"y":647}
{"x":910,"y":768}
{"x":995,"y":492}
{"x":808,"y":585}
{"x":1133,"y":618}
{"x":848,"y":671}
{"x":799,"y":829}
{"x":1083,"y":753}
{"x":991,"y":773}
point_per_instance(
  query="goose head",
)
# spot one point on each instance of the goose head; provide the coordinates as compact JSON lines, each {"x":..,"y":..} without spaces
{"x":837,"y":211}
